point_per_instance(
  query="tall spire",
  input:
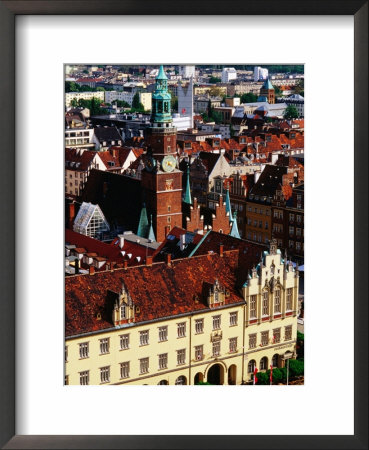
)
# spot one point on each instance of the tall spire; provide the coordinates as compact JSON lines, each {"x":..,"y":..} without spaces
{"x":143,"y":226}
{"x":151,"y":235}
{"x":234,"y":230}
{"x":187,"y":194}
{"x":228,"y":204}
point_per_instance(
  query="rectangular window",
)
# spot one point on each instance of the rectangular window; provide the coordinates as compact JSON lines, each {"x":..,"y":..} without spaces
{"x":252,"y":306}
{"x":216,"y":348}
{"x":84,"y":378}
{"x":199,"y":352}
{"x":144,"y":337}
{"x":291,"y":244}
{"x":277,"y":301}
{"x":104,"y":346}
{"x":181,"y":329}
{"x":163,"y":334}
{"x":83,"y":350}
{"x":252,"y":340}
{"x":124,"y":341}
{"x":298,"y":232}
{"x":216,"y":322}
{"x":124,"y":369}
{"x":292,"y":217}
{"x":199,"y":326}
{"x":144,"y":365}
{"x":233,"y":319}
{"x":163,"y":361}
{"x":298,"y":219}
{"x":288,"y":333}
{"x":289,"y":299}
{"x":276,"y":335}
{"x":181,"y":356}
{"x":264,"y":338}
{"x":298,"y":246}
{"x":291,"y":230}
{"x":232,"y":345}
{"x":265,"y":303}
{"x":105,"y":374}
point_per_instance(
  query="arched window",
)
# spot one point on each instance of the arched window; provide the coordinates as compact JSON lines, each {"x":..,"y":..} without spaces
{"x":123,"y":310}
{"x":163,"y":382}
{"x":264,"y":363}
{"x":181,"y":380}
{"x":251,"y":366}
{"x":275,"y":360}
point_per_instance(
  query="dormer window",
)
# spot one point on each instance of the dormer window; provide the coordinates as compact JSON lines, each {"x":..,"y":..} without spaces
{"x":123,"y":311}
{"x":216,"y":294}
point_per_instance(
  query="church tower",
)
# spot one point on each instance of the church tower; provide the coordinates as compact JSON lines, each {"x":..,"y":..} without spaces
{"x":267,"y":91}
{"x":161,"y":180}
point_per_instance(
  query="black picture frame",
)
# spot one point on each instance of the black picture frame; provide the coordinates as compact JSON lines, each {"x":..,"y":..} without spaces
{"x":8,"y":12}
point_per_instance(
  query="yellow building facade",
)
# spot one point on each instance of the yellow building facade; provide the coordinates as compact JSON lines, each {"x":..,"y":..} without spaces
{"x":220,"y":344}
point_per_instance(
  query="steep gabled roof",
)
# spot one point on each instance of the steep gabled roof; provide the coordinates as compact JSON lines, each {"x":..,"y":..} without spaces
{"x":159,"y":291}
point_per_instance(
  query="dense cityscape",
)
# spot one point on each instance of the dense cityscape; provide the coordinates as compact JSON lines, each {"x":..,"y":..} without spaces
{"x":184,"y":225}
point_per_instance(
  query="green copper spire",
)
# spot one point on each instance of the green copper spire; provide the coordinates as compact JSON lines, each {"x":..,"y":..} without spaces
{"x":267,"y":85}
{"x":234,"y":230}
{"x":187,"y":195}
{"x":151,"y":235}
{"x":161,"y":100}
{"x":143,"y":226}
{"x":161,"y":75}
{"x":228,"y":205}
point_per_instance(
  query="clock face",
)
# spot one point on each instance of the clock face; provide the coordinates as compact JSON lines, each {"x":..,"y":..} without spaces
{"x":150,"y":164}
{"x":169,"y":163}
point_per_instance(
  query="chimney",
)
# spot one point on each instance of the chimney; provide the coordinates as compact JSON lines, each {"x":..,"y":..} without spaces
{"x":149,"y":260}
{"x":72,"y":212}
{"x":92,"y":270}
{"x":182,"y":241}
{"x":167,"y":229}
{"x":121,"y":240}
{"x":76,"y":266}
{"x":125,"y":264}
{"x":221,"y":249}
{"x":168,"y":258}
{"x":107,"y":265}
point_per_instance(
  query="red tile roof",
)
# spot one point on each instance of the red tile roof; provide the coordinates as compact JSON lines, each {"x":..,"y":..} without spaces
{"x":111,"y":252}
{"x":84,"y":158}
{"x":159,"y":290}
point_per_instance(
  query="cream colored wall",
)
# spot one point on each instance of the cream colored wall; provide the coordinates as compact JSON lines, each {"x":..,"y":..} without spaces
{"x":116,"y":356}
{"x":145,"y":99}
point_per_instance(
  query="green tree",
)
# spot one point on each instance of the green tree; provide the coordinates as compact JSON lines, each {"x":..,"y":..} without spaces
{"x":263,"y":378}
{"x":136,"y":101}
{"x":71,"y":86}
{"x":100,"y":88}
{"x":215,"y":92}
{"x":174,"y":103}
{"x":214,"y":80}
{"x":296,"y":367}
{"x":277,"y":90}
{"x":85,"y":71}
{"x":248,"y":98}
{"x":277,"y":375}
{"x":121,"y":103}
{"x":291,"y":112}
{"x":300,"y":345}
{"x":216,"y":116}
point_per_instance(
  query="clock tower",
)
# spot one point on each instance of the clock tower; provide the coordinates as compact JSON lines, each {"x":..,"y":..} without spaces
{"x":161,"y":180}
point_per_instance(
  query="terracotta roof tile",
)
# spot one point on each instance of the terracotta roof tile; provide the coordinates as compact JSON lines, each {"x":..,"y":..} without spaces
{"x":159,"y":290}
